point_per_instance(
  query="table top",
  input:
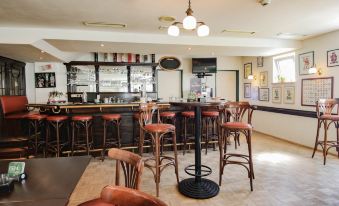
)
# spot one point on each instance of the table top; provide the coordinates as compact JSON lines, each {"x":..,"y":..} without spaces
{"x":50,"y":181}
{"x":69,"y":105}
{"x":197,"y":104}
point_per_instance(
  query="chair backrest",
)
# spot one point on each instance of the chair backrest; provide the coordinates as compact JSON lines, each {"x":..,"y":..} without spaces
{"x":326,"y":107}
{"x":147,"y":111}
{"x":235,"y":111}
{"x":132,"y":166}
{"x":122,"y":196}
{"x":13,"y":104}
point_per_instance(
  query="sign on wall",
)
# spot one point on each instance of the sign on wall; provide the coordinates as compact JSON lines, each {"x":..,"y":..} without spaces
{"x":45,"y":80}
{"x":313,"y":89}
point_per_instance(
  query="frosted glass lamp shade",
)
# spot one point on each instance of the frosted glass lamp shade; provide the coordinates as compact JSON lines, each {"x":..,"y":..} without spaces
{"x":189,"y":22}
{"x":203,"y":30}
{"x":173,"y":30}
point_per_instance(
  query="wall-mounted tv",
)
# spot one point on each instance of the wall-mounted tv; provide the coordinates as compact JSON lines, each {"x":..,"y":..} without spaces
{"x":204,"y":65}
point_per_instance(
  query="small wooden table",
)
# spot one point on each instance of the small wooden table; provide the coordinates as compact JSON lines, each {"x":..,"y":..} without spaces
{"x":50,"y":181}
{"x":198,"y":187}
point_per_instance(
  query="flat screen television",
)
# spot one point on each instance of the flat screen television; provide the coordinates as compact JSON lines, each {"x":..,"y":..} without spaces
{"x":204,"y":65}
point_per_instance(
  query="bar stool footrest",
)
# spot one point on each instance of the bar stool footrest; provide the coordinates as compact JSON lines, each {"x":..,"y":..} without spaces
{"x":205,"y":171}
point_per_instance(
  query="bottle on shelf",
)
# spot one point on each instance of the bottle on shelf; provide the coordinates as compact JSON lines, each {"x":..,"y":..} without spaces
{"x":84,"y":97}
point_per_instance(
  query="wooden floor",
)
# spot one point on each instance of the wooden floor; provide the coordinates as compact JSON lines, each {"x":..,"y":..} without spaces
{"x":285,"y":174}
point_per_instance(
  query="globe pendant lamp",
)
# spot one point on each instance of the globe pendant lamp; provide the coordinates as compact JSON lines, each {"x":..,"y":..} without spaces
{"x":189,"y":21}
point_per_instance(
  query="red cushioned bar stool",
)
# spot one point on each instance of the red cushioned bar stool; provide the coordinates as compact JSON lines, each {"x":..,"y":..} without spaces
{"x":158,"y":162}
{"x":188,"y":118}
{"x":82,"y":139}
{"x":59,"y":142}
{"x":36,"y":122}
{"x":210,"y":123}
{"x":114,"y":120}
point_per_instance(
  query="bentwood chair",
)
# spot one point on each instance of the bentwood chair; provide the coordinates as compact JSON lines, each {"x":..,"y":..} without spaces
{"x":327,"y":115}
{"x":132,"y":166}
{"x":236,"y":111}
{"x":122,"y":196}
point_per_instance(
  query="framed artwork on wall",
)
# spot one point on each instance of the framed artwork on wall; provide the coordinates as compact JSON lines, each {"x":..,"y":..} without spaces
{"x":263,"y":81}
{"x":247,"y":70}
{"x":264,"y":94}
{"x":289,"y":95}
{"x":247,"y":90}
{"x":276,"y":94}
{"x":306,"y":61}
{"x":45,"y":80}
{"x":254,"y":94}
{"x":260,"y":61}
{"x":313,"y":89}
{"x":332,"y":58}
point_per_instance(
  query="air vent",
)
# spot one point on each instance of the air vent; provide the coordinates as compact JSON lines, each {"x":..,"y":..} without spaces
{"x":225,"y":31}
{"x":103,"y":24}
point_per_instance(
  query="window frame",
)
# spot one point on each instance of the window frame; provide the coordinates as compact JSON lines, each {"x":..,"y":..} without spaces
{"x":276,"y":67}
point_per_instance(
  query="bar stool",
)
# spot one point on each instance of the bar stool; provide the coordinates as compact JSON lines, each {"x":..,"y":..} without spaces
{"x":168,"y":118}
{"x":157,"y":131}
{"x":78,"y":122}
{"x":114,"y":120}
{"x":325,"y":109}
{"x":210,"y":119}
{"x":57,"y":122}
{"x":188,"y":117}
{"x":237,"y":110}
{"x":36,"y":122}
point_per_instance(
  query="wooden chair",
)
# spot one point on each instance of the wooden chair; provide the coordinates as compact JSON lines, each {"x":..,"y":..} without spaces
{"x":122,"y":196}
{"x":132,"y":166}
{"x":327,"y":114}
{"x":235,"y":112}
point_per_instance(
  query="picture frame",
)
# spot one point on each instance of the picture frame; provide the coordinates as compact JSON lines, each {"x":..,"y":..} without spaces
{"x":313,"y":89}
{"x":247,"y":90}
{"x":45,"y":80}
{"x":289,"y":94}
{"x":306,"y":61}
{"x":264,"y":94}
{"x":332,"y":58}
{"x":260,"y":61}
{"x":247,"y":70}
{"x":254,"y":93}
{"x":276,"y":94}
{"x":263,"y":79}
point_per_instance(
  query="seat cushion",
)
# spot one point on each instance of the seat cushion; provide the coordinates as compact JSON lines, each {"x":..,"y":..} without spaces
{"x":36,"y":116}
{"x":237,"y":125}
{"x":159,"y":128}
{"x":110,"y":117}
{"x":13,"y":104}
{"x":20,"y":115}
{"x":82,"y":118}
{"x":189,"y":114}
{"x":167,"y":114}
{"x":57,"y":118}
{"x":330,"y":117}
{"x":210,"y":113}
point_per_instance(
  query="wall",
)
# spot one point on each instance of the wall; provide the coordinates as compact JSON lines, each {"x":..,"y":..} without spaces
{"x":301,"y":130}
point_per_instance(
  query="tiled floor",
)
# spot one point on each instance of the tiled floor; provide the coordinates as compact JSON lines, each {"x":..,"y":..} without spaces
{"x":285,"y":174}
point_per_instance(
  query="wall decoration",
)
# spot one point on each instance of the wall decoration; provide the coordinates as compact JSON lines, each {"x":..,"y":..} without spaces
{"x":313,"y":89}
{"x":254,"y":93}
{"x":306,"y":61}
{"x":45,"y":80}
{"x":247,"y":90}
{"x":332,"y":58}
{"x":260,"y":61}
{"x":289,"y":95}
{"x":276,"y":94}
{"x":247,"y":70}
{"x":263,"y":81}
{"x":264,"y":94}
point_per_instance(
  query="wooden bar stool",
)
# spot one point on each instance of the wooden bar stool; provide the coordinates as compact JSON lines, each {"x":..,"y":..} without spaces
{"x":114,"y":120}
{"x":237,"y":111}
{"x":210,"y":120}
{"x":327,"y":115}
{"x":188,"y":118}
{"x":36,"y":122}
{"x":85,"y":122}
{"x":157,"y":163}
{"x":57,"y":122}
{"x":168,"y":118}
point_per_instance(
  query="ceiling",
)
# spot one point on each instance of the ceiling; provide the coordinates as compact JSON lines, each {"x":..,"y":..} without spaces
{"x":306,"y":18}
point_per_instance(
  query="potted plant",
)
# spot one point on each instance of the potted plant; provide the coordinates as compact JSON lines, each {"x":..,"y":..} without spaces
{"x":56,"y":97}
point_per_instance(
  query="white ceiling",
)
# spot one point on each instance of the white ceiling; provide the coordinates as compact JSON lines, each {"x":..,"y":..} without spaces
{"x":307,"y":17}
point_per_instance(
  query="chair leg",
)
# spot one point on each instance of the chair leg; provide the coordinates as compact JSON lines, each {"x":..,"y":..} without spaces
{"x":141,"y":141}
{"x":221,"y":159}
{"x":316,"y":139}
{"x":174,"y":140}
{"x":185,"y":135}
{"x":73,"y":138}
{"x":157,"y":163}
{"x":251,"y":174}
{"x":104,"y":142}
{"x":325,"y":141}
{"x":58,"y":139}
{"x":207,"y":135}
{"x":87,"y":136}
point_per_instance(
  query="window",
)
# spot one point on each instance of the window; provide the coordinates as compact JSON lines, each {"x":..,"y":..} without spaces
{"x":284,"y":68}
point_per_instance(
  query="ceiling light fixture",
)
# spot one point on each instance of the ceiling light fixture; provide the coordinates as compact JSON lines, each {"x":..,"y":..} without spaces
{"x":103,"y":24}
{"x":102,"y":45}
{"x":189,"y":23}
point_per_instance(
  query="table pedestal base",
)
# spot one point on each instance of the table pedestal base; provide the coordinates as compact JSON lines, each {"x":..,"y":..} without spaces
{"x":198,"y":190}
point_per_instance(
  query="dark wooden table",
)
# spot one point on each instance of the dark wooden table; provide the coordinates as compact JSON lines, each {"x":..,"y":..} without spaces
{"x":198,"y":187}
{"x":50,"y":181}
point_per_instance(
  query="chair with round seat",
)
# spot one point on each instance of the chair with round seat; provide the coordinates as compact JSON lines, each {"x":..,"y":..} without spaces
{"x":188,"y":118}
{"x":210,"y":122}
{"x":327,"y":115}
{"x":57,"y":144}
{"x":236,"y":111}
{"x":86,"y":143}
{"x":168,"y":118}
{"x":157,"y":163}
{"x":36,"y":122}
{"x":114,"y":120}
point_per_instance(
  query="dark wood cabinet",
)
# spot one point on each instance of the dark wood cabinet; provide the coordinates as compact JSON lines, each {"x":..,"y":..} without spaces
{"x":12,"y":77}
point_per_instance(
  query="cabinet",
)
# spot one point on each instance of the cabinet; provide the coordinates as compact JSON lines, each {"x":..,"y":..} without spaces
{"x":12,"y":77}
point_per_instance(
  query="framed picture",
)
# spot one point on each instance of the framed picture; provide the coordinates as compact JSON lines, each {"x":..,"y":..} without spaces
{"x":264,"y":94}
{"x":247,"y":70}
{"x":263,"y":81}
{"x":332,"y":58}
{"x":313,"y":89}
{"x":247,"y":90}
{"x":306,"y":61}
{"x":289,"y":95}
{"x":45,"y":80}
{"x":260,"y":61}
{"x":254,"y":94}
{"x":276,"y":94}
